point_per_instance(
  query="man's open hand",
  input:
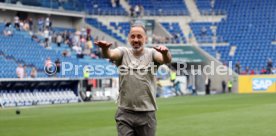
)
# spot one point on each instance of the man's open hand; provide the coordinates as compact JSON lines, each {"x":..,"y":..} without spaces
{"x":162,"y":49}
{"x":103,"y":44}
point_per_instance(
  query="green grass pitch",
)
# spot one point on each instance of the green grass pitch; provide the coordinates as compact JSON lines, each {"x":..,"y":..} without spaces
{"x":217,"y":115}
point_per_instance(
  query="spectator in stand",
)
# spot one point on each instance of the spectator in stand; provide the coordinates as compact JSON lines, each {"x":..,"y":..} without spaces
{"x":33,"y":73}
{"x":137,"y":10}
{"x":47,"y":43}
{"x":78,"y":50}
{"x":53,"y":35}
{"x":87,"y":50}
{"x":88,"y":31}
{"x":65,"y":36}
{"x":89,"y":43}
{"x":35,"y":38}
{"x":263,"y":71}
{"x":7,"y":23}
{"x":113,"y":4}
{"x":83,"y":32}
{"x":8,"y":31}
{"x":70,"y":39}
{"x":59,"y":39}
{"x":20,"y":71}
{"x":40,"y":24}
{"x":66,"y":53}
{"x":82,"y":41}
{"x":175,"y":36}
{"x":16,"y":22}
{"x":203,"y":31}
{"x":269,"y":66}
{"x":76,"y":38}
{"x":46,"y":33}
{"x":21,"y":25}
{"x":247,"y":71}
{"x":48,"y":23}
{"x":131,"y":11}
{"x":30,"y":21}
{"x":252,"y":72}
{"x":26,"y":26}
{"x":238,"y":67}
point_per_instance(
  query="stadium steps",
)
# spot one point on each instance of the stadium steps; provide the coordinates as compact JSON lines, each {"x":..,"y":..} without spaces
{"x":186,"y":29}
{"x":107,"y":24}
{"x":125,"y":6}
{"x":192,"y":8}
{"x":102,"y":30}
{"x":8,"y":57}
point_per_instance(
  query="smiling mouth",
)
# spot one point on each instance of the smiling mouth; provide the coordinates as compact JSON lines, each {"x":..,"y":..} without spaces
{"x":136,"y":45}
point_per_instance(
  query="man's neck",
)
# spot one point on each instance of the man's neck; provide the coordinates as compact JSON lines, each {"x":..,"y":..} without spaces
{"x":138,"y":53}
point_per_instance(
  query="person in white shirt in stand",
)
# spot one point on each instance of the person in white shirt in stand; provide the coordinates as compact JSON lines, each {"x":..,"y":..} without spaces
{"x":20,"y":71}
{"x":48,"y":23}
{"x":78,"y":50}
{"x":16,"y":22}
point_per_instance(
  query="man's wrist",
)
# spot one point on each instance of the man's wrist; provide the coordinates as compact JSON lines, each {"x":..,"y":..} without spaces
{"x":165,"y":53}
{"x":105,"y":48}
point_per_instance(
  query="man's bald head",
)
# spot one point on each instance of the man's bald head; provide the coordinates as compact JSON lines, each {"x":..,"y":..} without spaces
{"x":139,"y":25}
{"x":137,"y":37}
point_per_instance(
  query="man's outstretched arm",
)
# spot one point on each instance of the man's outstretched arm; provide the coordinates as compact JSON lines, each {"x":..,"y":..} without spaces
{"x":162,"y":55}
{"x":113,"y":54}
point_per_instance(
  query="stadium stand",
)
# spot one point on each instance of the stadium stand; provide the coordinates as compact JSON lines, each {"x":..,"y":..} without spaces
{"x":94,"y":22}
{"x":203,"y":32}
{"x":31,"y":53}
{"x":103,"y":7}
{"x":206,"y":7}
{"x":95,"y":7}
{"x":7,"y":68}
{"x":248,"y":28}
{"x":123,"y":27}
{"x":61,"y":30}
{"x":175,"y":30}
{"x":53,"y":4}
{"x":161,"y":7}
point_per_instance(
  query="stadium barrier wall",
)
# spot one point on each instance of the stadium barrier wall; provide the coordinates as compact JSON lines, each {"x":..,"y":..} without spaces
{"x":39,"y":83}
{"x":257,"y":84}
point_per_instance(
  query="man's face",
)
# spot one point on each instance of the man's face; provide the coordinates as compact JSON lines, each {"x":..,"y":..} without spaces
{"x":137,"y":38}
